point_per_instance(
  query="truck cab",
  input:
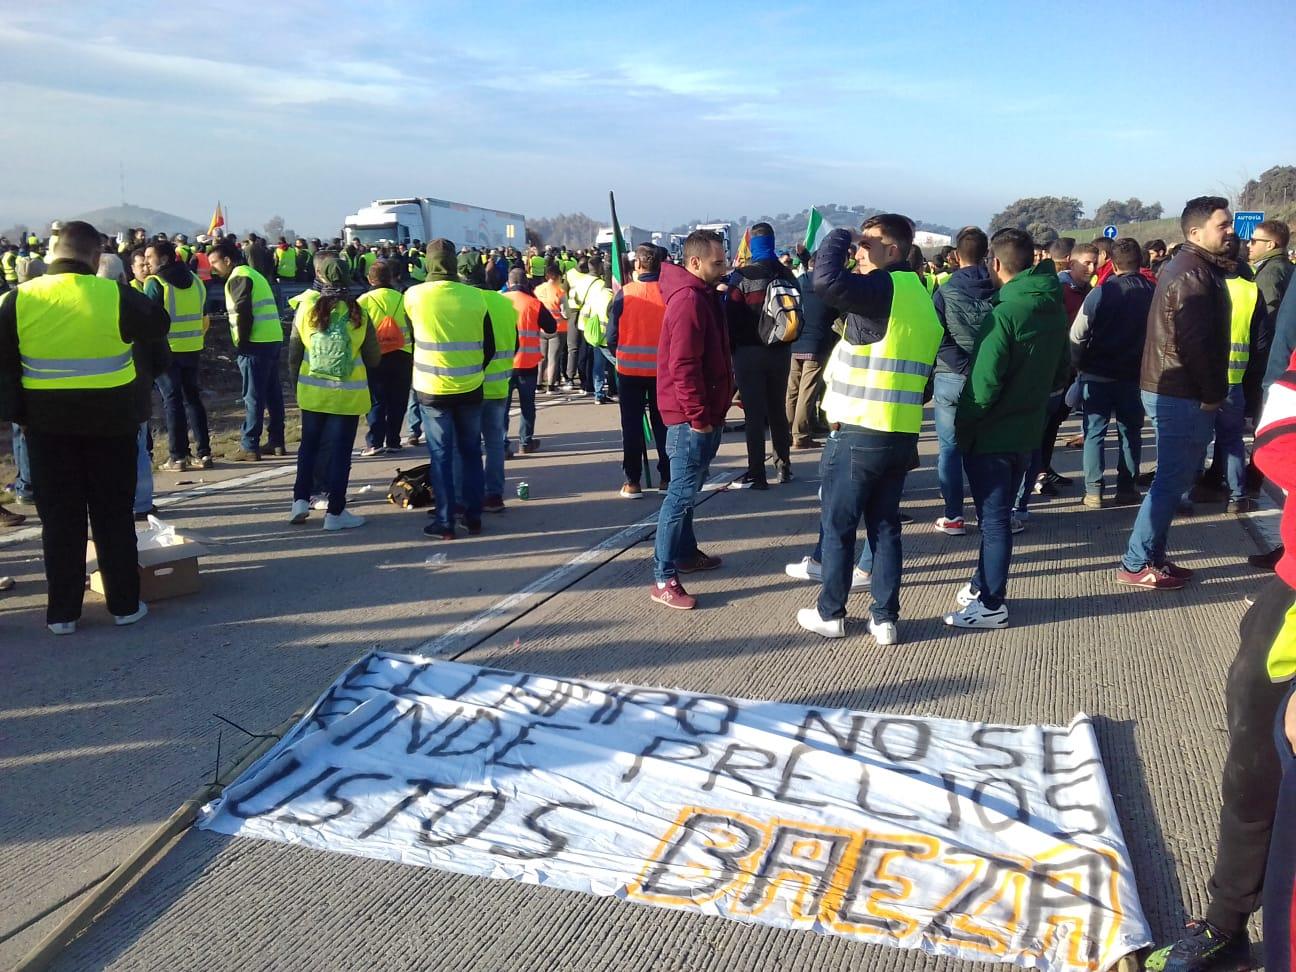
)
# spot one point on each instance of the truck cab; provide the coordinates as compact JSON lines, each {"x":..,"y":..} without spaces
{"x":385,"y":222}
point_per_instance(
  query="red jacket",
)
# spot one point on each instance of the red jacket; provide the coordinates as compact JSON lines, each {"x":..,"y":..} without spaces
{"x":1275,"y":456}
{"x":695,"y":381}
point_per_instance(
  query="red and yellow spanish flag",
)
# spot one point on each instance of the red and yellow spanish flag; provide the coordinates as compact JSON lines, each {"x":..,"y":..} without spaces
{"x":217,"y":221}
{"x":744,"y":250}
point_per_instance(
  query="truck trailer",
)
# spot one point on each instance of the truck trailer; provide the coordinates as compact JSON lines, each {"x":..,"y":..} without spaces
{"x":424,"y":218}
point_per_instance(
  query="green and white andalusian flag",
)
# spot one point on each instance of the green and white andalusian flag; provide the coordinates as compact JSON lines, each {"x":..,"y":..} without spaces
{"x":816,"y":230}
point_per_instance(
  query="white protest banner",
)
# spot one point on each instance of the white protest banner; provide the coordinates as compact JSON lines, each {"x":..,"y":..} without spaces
{"x":964,"y":839}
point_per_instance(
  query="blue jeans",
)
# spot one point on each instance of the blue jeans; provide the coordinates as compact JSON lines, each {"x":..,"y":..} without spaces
{"x":414,"y":415}
{"x":326,"y":441}
{"x":1280,"y":874}
{"x":524,"y":383}
{"x":451,"y":432}
{"x":863,"y":475}
{"x":1100,"y":400}
{"x":864,"y":563}
{"x":494,"y":436}
{"x":994,"y":477}
{"x":1183,"y":430}
{"x":947,"y":388}
{"x":1230,"y":424}
{"x":262,"y":396}
{"x":690,"y":455}
{"x":604,"y":365}
{"x":22,"y":482}
{"x":143,"y":471}
{"x":183,"y":404}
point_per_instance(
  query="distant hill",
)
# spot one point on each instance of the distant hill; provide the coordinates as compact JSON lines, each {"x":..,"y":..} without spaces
{"x":116,"y":219}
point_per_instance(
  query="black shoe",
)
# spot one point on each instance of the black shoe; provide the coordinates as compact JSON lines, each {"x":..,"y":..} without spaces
{"x":1044,"y":488}
{"x":1205,"y":949}
{"x":748,"y":481}
{"x":784,"y":472}
{"x":1055,"y":479}
{"x":143,"y":517}
{"x":1145,"y":479}
{"x":905,"y":518}
{"x":1266,"y":561}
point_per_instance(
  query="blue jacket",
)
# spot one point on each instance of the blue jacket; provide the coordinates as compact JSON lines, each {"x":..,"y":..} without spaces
{"x":1284,"y":339}
{"x":817,"y":336}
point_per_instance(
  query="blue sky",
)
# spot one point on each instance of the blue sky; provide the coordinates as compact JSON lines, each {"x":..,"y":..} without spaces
{"x":312,"y":110}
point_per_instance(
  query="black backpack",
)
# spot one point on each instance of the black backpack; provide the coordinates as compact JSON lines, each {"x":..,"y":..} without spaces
{"x":411,"y":489}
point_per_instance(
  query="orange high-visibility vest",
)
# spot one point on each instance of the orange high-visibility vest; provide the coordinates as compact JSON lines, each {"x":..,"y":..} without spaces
{"x":639,"y":328}
{"x":551,"y":295}
{"x":204,"y":266}
{"x":528,"y":330}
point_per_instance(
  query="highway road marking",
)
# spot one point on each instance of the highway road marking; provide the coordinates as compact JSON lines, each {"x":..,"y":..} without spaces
{"x":464,"y":635}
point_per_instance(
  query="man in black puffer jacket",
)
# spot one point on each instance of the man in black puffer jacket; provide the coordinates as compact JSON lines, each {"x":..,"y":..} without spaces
{"x":762,"y":369}
{"x":1107,"y":338}
{"x":963,"y":305}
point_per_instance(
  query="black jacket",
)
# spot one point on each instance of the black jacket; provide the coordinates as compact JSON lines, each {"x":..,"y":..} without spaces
{"x":1108,"y":333}
{"x":1185,"y":354}
{"x":864,"y":298}
{"x":817,"y":336}
{"x":87,"y":411}
{"x":963,"y":304}
{"x":745,"y":300}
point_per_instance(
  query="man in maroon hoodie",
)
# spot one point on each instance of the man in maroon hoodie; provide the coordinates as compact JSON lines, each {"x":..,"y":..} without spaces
{"x":695,"y":383}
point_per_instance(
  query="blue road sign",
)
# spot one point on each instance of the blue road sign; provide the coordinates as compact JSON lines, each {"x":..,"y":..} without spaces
{"x":1244,"y":224}
{"x":1109,"y":232}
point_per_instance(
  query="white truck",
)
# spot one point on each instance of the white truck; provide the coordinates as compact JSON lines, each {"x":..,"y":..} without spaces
{"x":631,"y":237}
{"x":424,"y":218}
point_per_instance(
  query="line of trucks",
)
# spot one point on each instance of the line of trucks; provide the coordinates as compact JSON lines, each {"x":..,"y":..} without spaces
{"x":409,"y":218}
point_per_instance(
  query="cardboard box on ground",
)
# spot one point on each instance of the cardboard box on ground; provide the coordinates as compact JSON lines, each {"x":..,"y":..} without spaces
{"x":168,"y":563}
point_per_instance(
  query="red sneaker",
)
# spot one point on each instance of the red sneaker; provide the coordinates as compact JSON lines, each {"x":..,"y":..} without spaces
{"x":1175,"y":571}
{"x":674,"y":596}
{"x":1151,"y":578}
{"x":699,"y":561}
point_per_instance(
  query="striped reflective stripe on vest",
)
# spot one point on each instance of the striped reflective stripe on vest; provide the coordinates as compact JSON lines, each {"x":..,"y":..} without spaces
{"x":331,"y":384}
{"x":448,"y":346}
{"x":504,"y":375}
{"x":73,"y":367}
{"x":897,"y":366}
{"x":892,"y":396}
{"x":461,"y":371}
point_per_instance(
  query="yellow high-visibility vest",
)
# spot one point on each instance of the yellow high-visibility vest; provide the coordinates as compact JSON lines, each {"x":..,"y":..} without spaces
{"x":323,"y":393}
{"x":881,"y":385}
{"x":266,"y":327}
{"x":382,"y":302}
{"x":69,"y":334}
{"x":447,"y":317}
{"x":1243,"y":295}
{"x":503,"y":318}
{"x":185,"y":308}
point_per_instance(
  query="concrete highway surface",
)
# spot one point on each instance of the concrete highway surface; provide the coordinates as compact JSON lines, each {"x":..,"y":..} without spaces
{"x":103,"y":734}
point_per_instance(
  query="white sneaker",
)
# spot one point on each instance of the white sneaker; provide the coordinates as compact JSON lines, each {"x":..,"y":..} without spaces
{"x":372,"y":451}
{"x":346,"y":520}
{"x":62,"y":627}
{"x":300,"y":511}
{"x":319,"y":503}
{"x":884,"y":632}
{"x":860,"y":579}
{"x":809,"y":619}
{"x":966,"y":595}
{"x":954,"y":526}
{"x":806,"y":569}
{"x":977,"y":615}
{"x":125,"y":619}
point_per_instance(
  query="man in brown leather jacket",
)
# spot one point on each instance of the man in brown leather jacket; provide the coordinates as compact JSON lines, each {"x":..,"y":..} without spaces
{"x":1184,"y":379}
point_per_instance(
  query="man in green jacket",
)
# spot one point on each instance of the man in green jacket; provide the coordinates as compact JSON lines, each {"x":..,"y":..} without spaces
{"x":1020,"y":356}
